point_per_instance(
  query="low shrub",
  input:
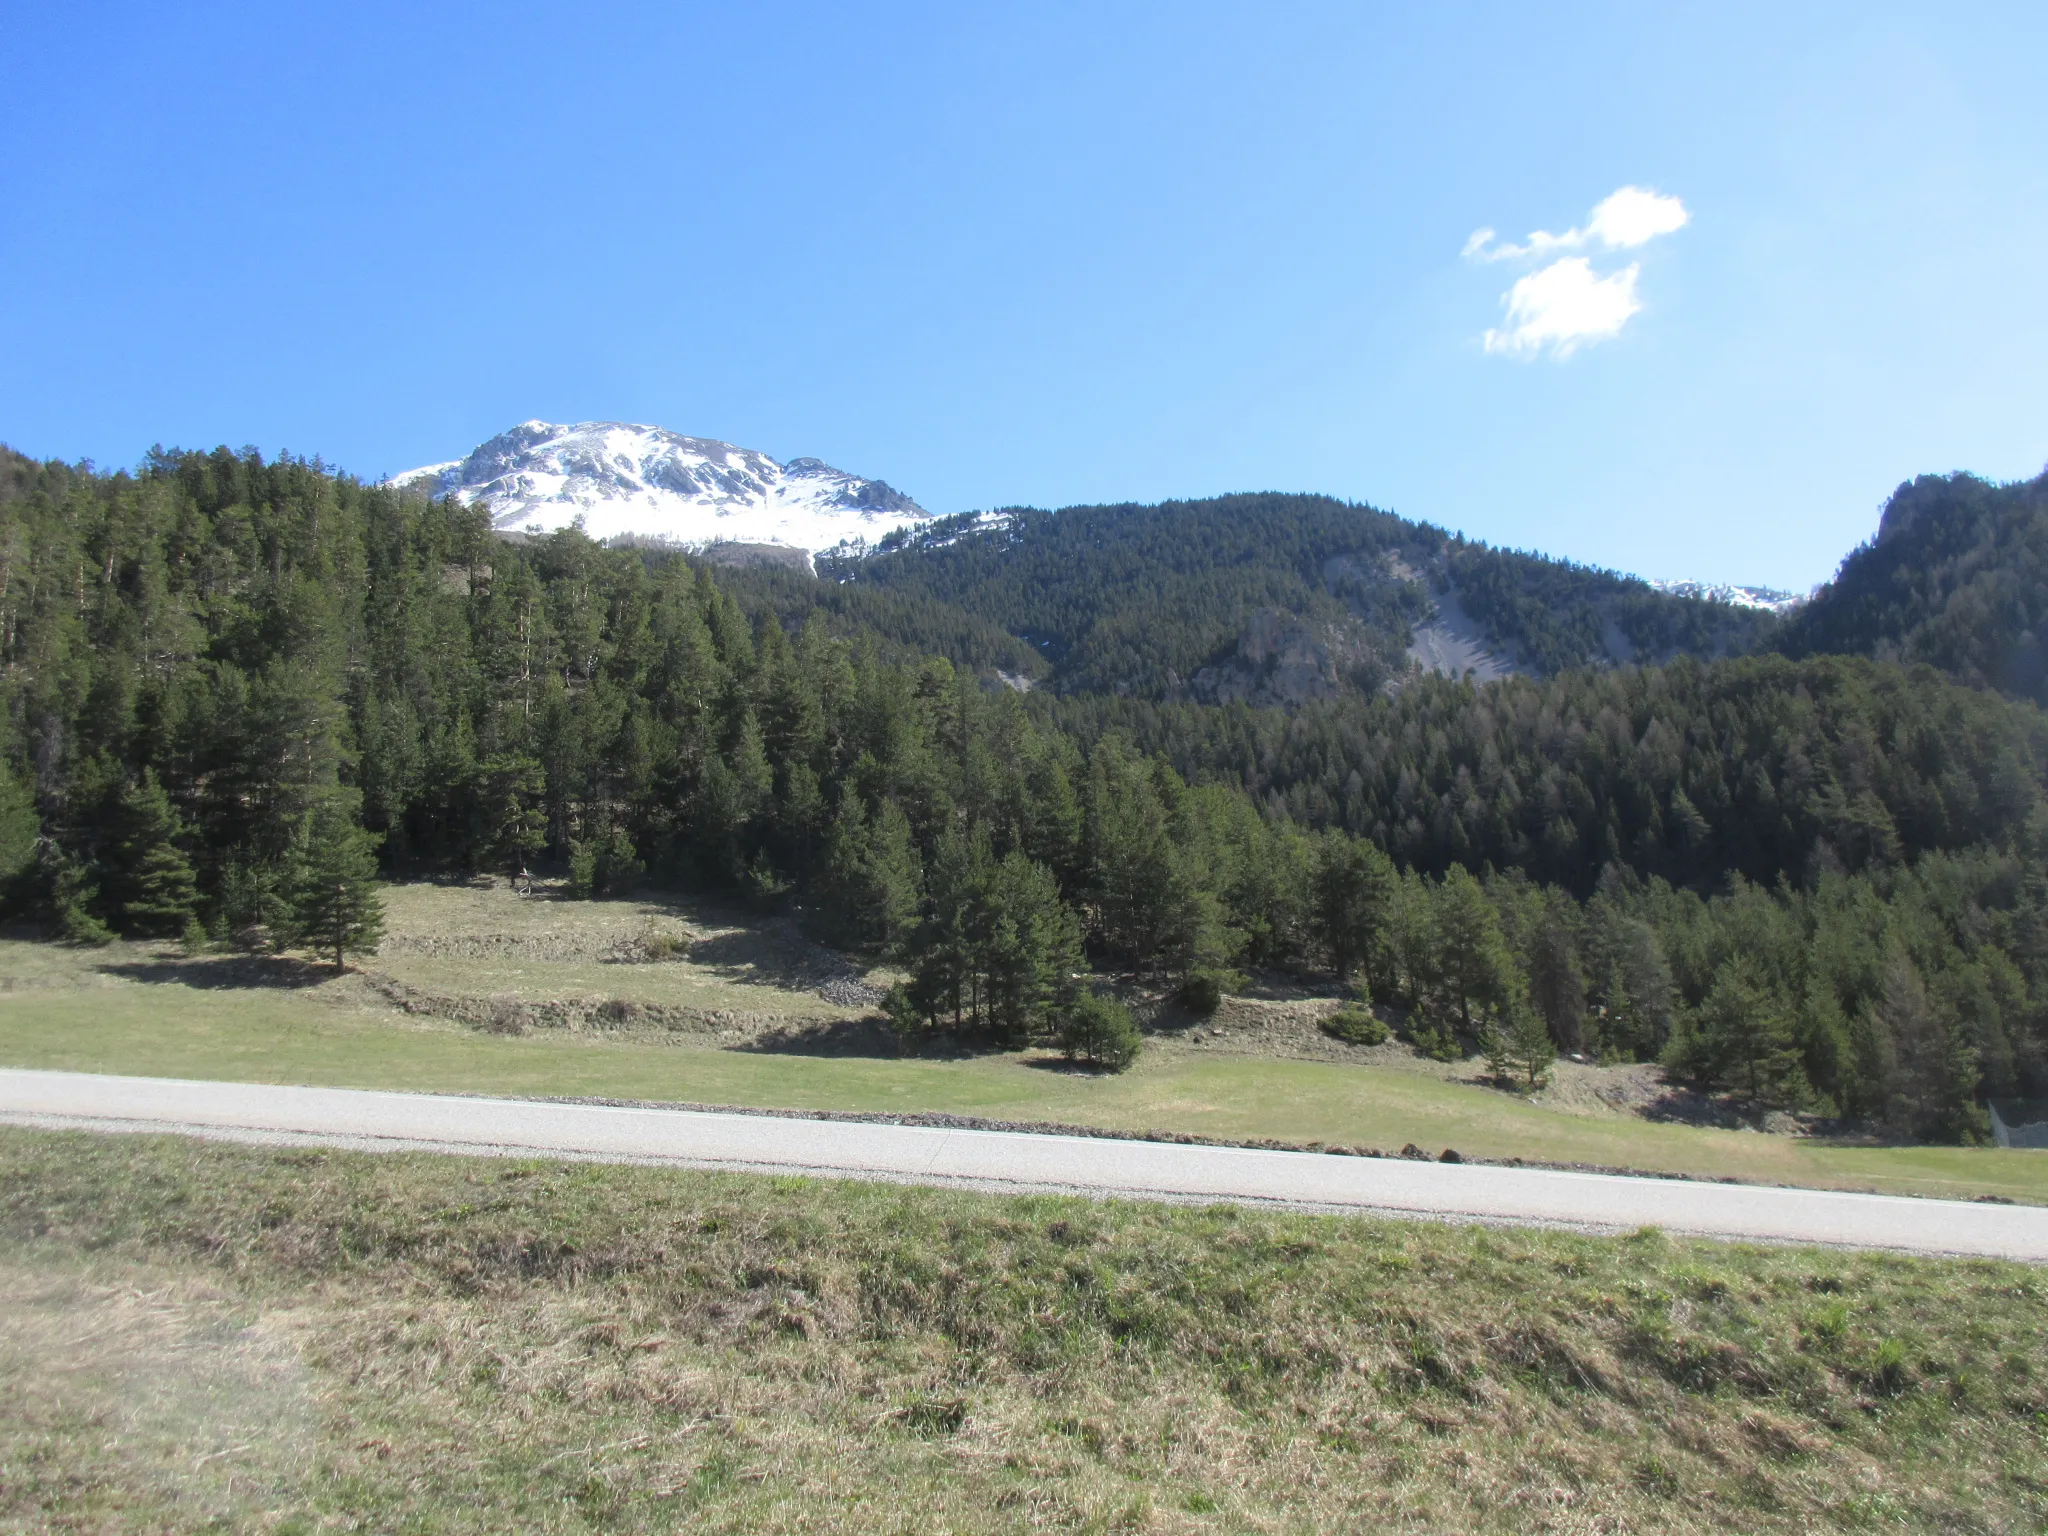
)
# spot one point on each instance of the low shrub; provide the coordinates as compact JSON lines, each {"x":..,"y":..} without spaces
{"x":1357,"y":1026}
{"x":1100,"y":1031}
{"x":1202,"y":992}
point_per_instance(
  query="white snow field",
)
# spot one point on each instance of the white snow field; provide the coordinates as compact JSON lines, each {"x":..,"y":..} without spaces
{"x":625,"y":481}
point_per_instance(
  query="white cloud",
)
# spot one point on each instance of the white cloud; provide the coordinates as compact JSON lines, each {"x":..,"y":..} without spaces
{"x":1624,"y":219}
{"x":1634,"y":216}
{"x":1565,"y":305}
{"x":1476,"y":244}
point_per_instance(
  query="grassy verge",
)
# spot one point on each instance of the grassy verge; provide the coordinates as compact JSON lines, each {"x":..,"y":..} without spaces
{"x":280,"y":1035}
{"x":203,"y":1336}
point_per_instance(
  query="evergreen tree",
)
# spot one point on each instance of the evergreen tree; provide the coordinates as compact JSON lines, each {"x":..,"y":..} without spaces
{"x":1355,"y":892}
{"x":1556,"y":986}
{"x":1100,"y":1031}
{"x":1031,"y":948}
{"x":20,"y":828}
{"x":1933,"y":1069}
{"x":1474,"y":968}
{"x":944,"y":980}
{"x":335,"y":905}
{"x":1745,"y":1038}
{"x":873,"y":880}
{"x":1521,"y":1046}
{"x":73,"y":894}
{"x":516,"y":826}
{"x":153,"y":888}
{"x":606,"y":865}
{"x":1631,"y":984}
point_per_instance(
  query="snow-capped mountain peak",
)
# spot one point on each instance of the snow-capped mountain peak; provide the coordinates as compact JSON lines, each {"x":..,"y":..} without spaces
{"x":629,"y":481}
{"x":1741,"y":597}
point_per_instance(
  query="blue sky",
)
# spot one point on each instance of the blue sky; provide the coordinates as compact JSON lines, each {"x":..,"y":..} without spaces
{"x":1052,"y":253}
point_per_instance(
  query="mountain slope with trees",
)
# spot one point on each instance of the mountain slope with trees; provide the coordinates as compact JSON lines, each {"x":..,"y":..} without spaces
{"x":1957,"y":577}
{"x":1137,"y":600}
{"x":224,"y":682}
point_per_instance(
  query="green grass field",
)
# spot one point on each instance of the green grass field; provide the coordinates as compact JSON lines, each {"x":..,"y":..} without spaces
{"x":85,"y":1011}
{"x":200,"y":1337}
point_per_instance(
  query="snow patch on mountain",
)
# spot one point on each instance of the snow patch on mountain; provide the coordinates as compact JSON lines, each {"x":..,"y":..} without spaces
{"x":624,"y":481}
{"x":1768,"y":598}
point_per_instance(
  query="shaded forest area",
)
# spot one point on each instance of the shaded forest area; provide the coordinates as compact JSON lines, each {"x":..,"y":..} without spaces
{"x":1135,"y":600}
{"x":1956,"y":577}
{"x":1817,"y":884}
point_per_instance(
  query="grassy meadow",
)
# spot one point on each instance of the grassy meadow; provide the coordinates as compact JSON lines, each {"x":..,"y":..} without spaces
{"x":212,"y":1337}
{"x":746,"y":1024}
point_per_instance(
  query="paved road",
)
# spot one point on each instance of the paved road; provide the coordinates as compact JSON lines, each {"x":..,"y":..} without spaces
{"x":1015,"y":1161}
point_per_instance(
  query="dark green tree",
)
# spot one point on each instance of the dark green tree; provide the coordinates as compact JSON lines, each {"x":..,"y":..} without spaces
{"x":1744,"y":1037}
{"x":1933,"y":1069}
{"x":335,"y":905}
{"x":152,"y":887}
{"x":1556,"y":986}
{"x":1100,"y":1031}
{"x":873,"y":880}
{"x":20,"y":828}
{"x":1476,"y":974}
{"x":1029,"y":951}
{"x":516,"y":827}
{"x":1519,"y":1045}
{"x":1356,"y":888}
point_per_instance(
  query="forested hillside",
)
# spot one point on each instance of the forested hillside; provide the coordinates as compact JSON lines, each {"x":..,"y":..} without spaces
{"x":1816,"y":884}
{"x":1137,"y":600}
{"x":1762,"y":767}
{"x":1957,"y":577}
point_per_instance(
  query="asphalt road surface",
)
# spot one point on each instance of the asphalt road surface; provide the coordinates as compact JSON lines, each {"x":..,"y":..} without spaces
{"x":1018,"y":1162}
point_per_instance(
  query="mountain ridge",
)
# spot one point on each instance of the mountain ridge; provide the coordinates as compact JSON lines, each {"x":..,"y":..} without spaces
{"x":625,"y":480}
{"x":646,"y":483}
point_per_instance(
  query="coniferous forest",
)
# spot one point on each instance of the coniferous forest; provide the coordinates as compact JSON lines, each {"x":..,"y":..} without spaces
{"x":1803,"y":862}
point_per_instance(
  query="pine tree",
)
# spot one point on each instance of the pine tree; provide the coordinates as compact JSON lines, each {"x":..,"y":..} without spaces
{"x":19,"y":830}
{"x":605,"y":865}
{"x":944,"y":974}
{"x":73,"y":894}
{"x":1031,"y":947}
{"x":166,"y":898}
{"x":154,"y":887}
{"x":335,"y":905}
{"x":1744,"y":1037}
{"x":1934,"y":1070}
{"x":1474,"y":966}
{"x":873,"y":880}
{"x":517,"y":827}
{"x":1556,"y":985}
{"x":1100,"y":1031}
{"x":1355,"y":892}
{"x":1522,"y":1047}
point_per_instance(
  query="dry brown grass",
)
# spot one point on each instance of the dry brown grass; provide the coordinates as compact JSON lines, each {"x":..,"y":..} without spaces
{"x":313,"y":1340}
{"x":669,"y":963}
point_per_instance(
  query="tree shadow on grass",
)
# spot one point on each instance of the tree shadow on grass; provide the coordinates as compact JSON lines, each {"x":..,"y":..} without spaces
{"x":868,"y":1037}
{"x":1066,"y":1068}
{"x":224,"y":973}
{"x":828,"y":1037}
{"x":754,"y":957}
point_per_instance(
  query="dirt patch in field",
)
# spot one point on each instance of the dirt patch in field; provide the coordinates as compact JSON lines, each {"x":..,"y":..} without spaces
{"x":487,"y":956}
{"x":1286,"y":1026}
{"x":179,"y":1406}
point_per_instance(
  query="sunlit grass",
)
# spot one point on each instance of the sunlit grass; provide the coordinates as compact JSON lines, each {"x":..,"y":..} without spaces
{"x":202,"y":1336}
{"x":54,"y":1019}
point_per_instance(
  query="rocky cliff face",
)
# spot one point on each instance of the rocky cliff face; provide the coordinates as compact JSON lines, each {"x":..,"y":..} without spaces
{"x":1279,"y":660}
